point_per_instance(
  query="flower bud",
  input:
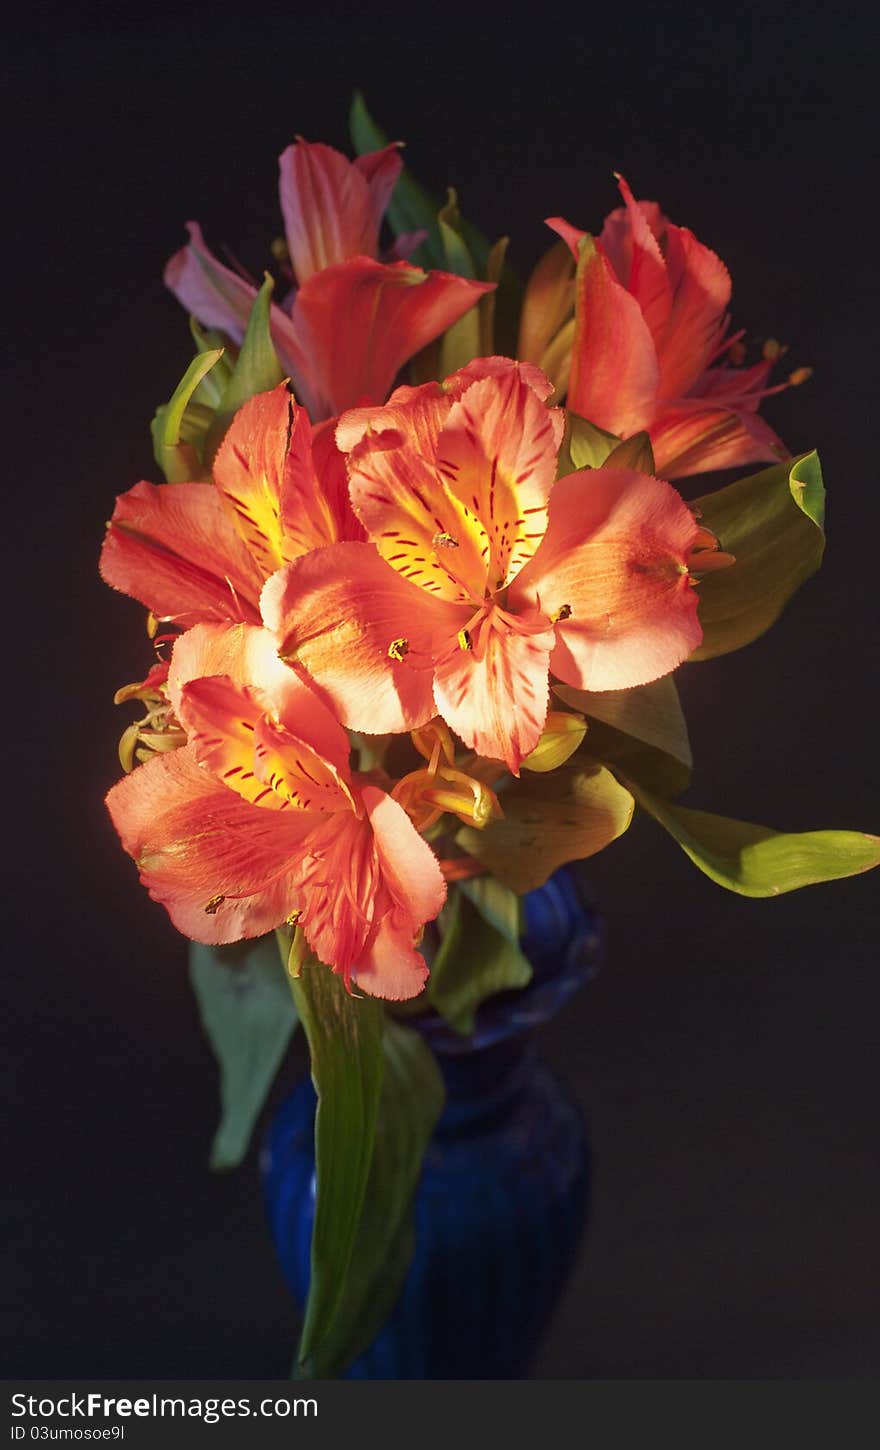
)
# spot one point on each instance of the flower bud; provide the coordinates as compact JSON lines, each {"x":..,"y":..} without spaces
{"x":563,"y":733}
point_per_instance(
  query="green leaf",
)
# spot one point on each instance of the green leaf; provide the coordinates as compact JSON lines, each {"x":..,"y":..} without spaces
{"x":567,"y":815}
{"x":412,"y":208}
{"x":345,"y":1042}
{"x":772,"y":524}
{"x":755,"y":861}
{"x":460,"y":342}
{"x":641,"y":731}
{"x":635,"y":453}
{"x":174,"y":443}
{"x":410,"y":1104}
{"x":256,"y":370}
{"x":584,"y":445}
{"x":479,"y":954}
{"x":247,"y":1012}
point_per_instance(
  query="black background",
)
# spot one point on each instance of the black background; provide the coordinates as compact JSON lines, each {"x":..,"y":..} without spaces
{"x":727,"y":1056}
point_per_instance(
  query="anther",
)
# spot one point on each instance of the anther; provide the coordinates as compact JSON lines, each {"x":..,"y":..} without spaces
{"x":464,"y":639}
{"x":563,"y":613}
{"x":397,"y":649}
{"x":214,"y":905}
{"x":445,"y":541}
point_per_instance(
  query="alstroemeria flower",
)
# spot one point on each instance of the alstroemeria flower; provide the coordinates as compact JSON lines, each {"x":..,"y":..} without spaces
{"x":202,"y":551}
{"x":258,"y":820}
{"x":483,"y":574}
{"x":650,"y":325}
{"x":353,"y":322}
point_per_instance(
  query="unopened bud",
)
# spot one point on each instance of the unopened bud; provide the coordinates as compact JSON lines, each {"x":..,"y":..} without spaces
{"x":562,"y":734}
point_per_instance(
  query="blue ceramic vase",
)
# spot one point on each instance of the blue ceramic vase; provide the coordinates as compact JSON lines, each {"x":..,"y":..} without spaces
{"x":502,"y":1200}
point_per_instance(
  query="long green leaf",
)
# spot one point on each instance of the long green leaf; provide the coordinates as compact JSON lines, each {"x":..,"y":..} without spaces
{"x":256,"y":370}
{"x":460,"y":342}
{"x":410,"y":1104}
{"x":773,"y":525}
{"x":345,"y":1042}
{"x":413,"y":208}
{"x":549,"y":819}
{"x":175,"y":449}
{"x":641,"y":731}
{"x":248,"y":1015}
{"x":756,"y":861}
{"x":479,"y":953}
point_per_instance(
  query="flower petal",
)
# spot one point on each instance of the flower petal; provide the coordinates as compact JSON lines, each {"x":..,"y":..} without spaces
{"x":612,"y":570}
{"x":249,"y":657}
{"x":696,"y":437}
{"x":391,"y":967}
{"x":494,"y":694}
{"x":390,"y":312}
{"x":194,"y":841}
{"x":701,"y":289}
{"x":218,"y":297}
{"x":497,"y":454}
{"x":249,"y":471}
{"x":647,"y":279}
{"x":212,"y":292}
{"x":340,"y":612}
{"x":328,"y":208}
{"x":174,"y":547}
{"x":614,"y":369}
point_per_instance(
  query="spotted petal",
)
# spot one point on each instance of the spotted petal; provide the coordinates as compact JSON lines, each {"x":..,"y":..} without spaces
{"x":365,"y":636}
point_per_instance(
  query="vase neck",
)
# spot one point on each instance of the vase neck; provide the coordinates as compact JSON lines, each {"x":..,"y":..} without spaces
{"x":483,"y":1084}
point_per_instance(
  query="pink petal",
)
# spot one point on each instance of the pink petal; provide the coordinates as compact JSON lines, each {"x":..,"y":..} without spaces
{"x":494,"y":695}
{"x":381,"y":170}
{"x":328,"y":206}
{"x":212,"y":292}
{"x":701,"y":287}
{"x":614,"y":370}
{"x":175,"y":548}
{"x":612,"y":570}
{"x":218,"y":297}
{"x":338,"y":612}
{"x":648,"y":280}
{"x":194,"y":841}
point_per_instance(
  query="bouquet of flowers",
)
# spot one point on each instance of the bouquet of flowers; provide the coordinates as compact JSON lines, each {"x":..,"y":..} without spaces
{"x":418,"y":581}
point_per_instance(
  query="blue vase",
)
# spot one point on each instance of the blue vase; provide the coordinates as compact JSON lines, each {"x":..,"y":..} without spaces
{"x":502,"y":1200}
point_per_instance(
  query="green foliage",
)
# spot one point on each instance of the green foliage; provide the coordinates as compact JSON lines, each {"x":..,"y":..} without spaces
{"x":641,"y":732}
{"x":179,"y":426}
{"x":569,"y":814}
{"x":345,"y":1041}
{"x":756,"y":861}
{"x":248,"y":1015}
{"x":256,"y":369}
{"x":772,"y":524}
{"x":410,"y":1103}
{"x":479,"y":953}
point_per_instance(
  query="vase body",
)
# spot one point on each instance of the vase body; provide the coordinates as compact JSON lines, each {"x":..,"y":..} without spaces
{"x":502,"y":1199}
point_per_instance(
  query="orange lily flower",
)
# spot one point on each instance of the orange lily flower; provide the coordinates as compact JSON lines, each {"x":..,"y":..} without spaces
{"x":332,"y":210}
{"x":651,"y":323}
{"x":203,"y":551}
{"x":483,"y":574}
{"x":258,"y":820}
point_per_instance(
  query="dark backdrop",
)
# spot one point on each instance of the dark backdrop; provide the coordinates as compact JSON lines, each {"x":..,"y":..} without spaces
{"x":726,"y":1058}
